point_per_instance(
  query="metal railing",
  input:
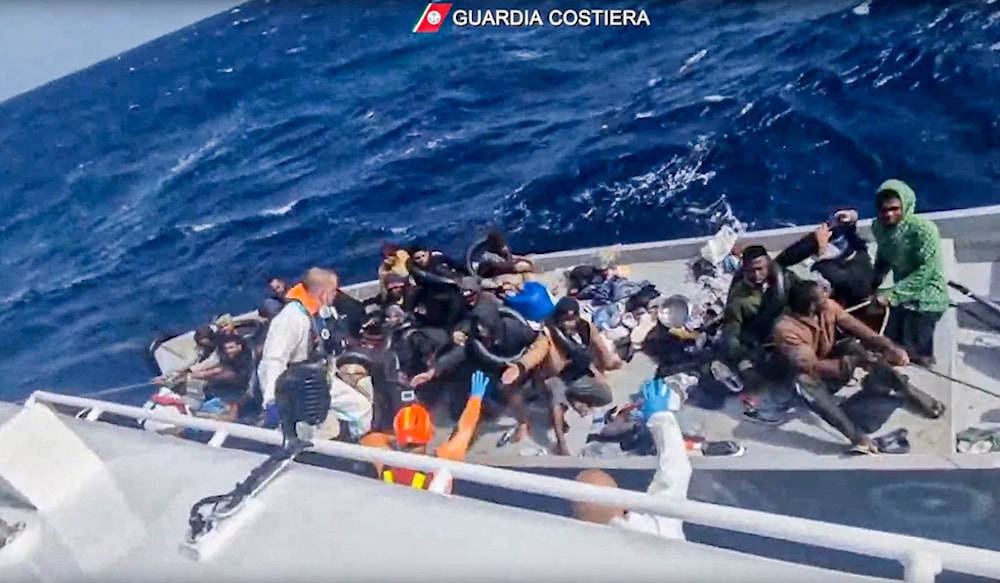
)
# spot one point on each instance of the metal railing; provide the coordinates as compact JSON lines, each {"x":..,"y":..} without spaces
{"x":922,"y":559}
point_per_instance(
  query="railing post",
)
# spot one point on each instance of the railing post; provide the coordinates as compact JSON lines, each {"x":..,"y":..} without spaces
{"x":441,"y":482}
{"x":218,"y":438}
{"x":921,"y":567}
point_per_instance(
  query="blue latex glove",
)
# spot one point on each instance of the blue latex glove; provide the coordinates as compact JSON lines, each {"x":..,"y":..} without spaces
{"x":656,"y":396}
{"x":271,"y":418}
{"x":479,"y":383}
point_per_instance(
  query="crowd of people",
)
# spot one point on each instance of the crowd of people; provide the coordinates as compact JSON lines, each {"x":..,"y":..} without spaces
{"x":440,"y":339}
{"x":819,"y":332}
{"x":406,"y":359}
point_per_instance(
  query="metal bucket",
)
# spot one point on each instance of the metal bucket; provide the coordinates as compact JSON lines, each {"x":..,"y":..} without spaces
{"x":674,"y":311}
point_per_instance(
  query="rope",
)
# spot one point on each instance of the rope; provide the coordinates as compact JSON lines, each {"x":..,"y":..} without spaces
{"x":885,"y":322}
{"x":117,"y":390}
{"x":959,"y":381}
{"x":865,"y":304}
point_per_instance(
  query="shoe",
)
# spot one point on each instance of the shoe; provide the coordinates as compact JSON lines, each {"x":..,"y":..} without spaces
{"x":938,"y":410}
{"x":864,"y":448}
{"x":694,"y":443}
{"x":726,"y":376}
{"x":765,"y":417}
{"x":894,"y":442}
{"x":642,"y":329}
{"x":722,"y":449}
{"x":506,"y":437}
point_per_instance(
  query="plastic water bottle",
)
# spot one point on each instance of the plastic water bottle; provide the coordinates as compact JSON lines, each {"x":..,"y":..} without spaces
{"x":731,"y":263}
{"x":597,"y":422}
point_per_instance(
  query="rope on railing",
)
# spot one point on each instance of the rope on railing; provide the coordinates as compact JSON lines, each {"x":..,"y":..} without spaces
{"x":919,"y":556}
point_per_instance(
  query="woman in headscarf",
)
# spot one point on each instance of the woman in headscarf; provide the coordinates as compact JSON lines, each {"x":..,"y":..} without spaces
{"x":910,"y":247}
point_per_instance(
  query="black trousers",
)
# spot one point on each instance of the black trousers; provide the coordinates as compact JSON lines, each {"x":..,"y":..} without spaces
{"x":913,"y":330}
{"x":820,"y":394}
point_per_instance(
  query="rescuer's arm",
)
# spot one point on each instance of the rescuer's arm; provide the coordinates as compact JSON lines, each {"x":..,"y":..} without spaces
{"x":456,"y":447}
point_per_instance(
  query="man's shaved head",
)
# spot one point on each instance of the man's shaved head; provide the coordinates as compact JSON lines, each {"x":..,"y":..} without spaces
{"x":318,"y":278}
{"x":322,"y":284}
{"x":590,"y":512}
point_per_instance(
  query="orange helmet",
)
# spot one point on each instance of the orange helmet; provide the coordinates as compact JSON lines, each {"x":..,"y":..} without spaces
{"x":413,"y":426}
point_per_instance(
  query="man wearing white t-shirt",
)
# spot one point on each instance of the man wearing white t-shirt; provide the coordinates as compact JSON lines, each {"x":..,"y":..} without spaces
{"x":672,"y":477}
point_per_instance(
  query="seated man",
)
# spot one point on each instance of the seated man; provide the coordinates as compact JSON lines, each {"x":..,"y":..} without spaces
{"x":277,"y":289}
{"x":841,"y":257}
{"x":435,"y":299}
{"x":394,"y":260}
{"x":480,"y":342}
{"x":413,"y":431}
{"x":909,"y":246}
{"x":413,"y":346}
{"x":498,"y":262}
{"x":206,"y":356}
{"x":807,"y":339}
{"x":424,"y":260}
{"x":396,"y":291}
{"x":672,"y":478}
{"x":756,"y":300}
{"x":229,"y":380}
{"x":476,"y":304}
{"x":570,"y":357}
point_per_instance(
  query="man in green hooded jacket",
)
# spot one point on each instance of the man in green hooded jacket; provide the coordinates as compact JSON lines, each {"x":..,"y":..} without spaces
{"x":910,"y":247}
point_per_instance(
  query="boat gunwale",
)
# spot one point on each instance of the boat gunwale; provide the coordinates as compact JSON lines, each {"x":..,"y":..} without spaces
{"x":922,"y":558}
{"x":952,"y":224}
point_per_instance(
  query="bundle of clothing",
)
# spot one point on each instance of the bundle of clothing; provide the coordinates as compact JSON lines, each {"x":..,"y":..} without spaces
{"x":618,"y":307}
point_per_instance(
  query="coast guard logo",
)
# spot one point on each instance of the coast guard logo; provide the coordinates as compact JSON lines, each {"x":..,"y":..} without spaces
{"x":433,"y":17}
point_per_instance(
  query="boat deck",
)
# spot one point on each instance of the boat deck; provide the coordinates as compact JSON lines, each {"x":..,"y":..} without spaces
{"x":965,"y":350}
{"x":966,"y":377}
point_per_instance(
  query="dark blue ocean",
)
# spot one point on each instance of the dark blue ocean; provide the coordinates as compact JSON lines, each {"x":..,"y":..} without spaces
{"x":160,"y":188}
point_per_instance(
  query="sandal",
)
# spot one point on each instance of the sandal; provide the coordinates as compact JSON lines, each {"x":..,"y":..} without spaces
{"x":726,"y":376}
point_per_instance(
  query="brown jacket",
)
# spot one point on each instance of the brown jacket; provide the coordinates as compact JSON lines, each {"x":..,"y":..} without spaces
{"x":807,"y":342}
{"x":546,"y":358}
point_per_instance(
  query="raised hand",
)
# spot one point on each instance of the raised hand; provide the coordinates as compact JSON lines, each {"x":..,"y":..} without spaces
{"x":655,"y":397}
{"x":479,"y":383}
{"x":510,"y":374}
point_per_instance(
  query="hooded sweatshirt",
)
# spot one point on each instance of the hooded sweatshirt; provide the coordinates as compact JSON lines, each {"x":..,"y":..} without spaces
{"x":912,"y":250}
